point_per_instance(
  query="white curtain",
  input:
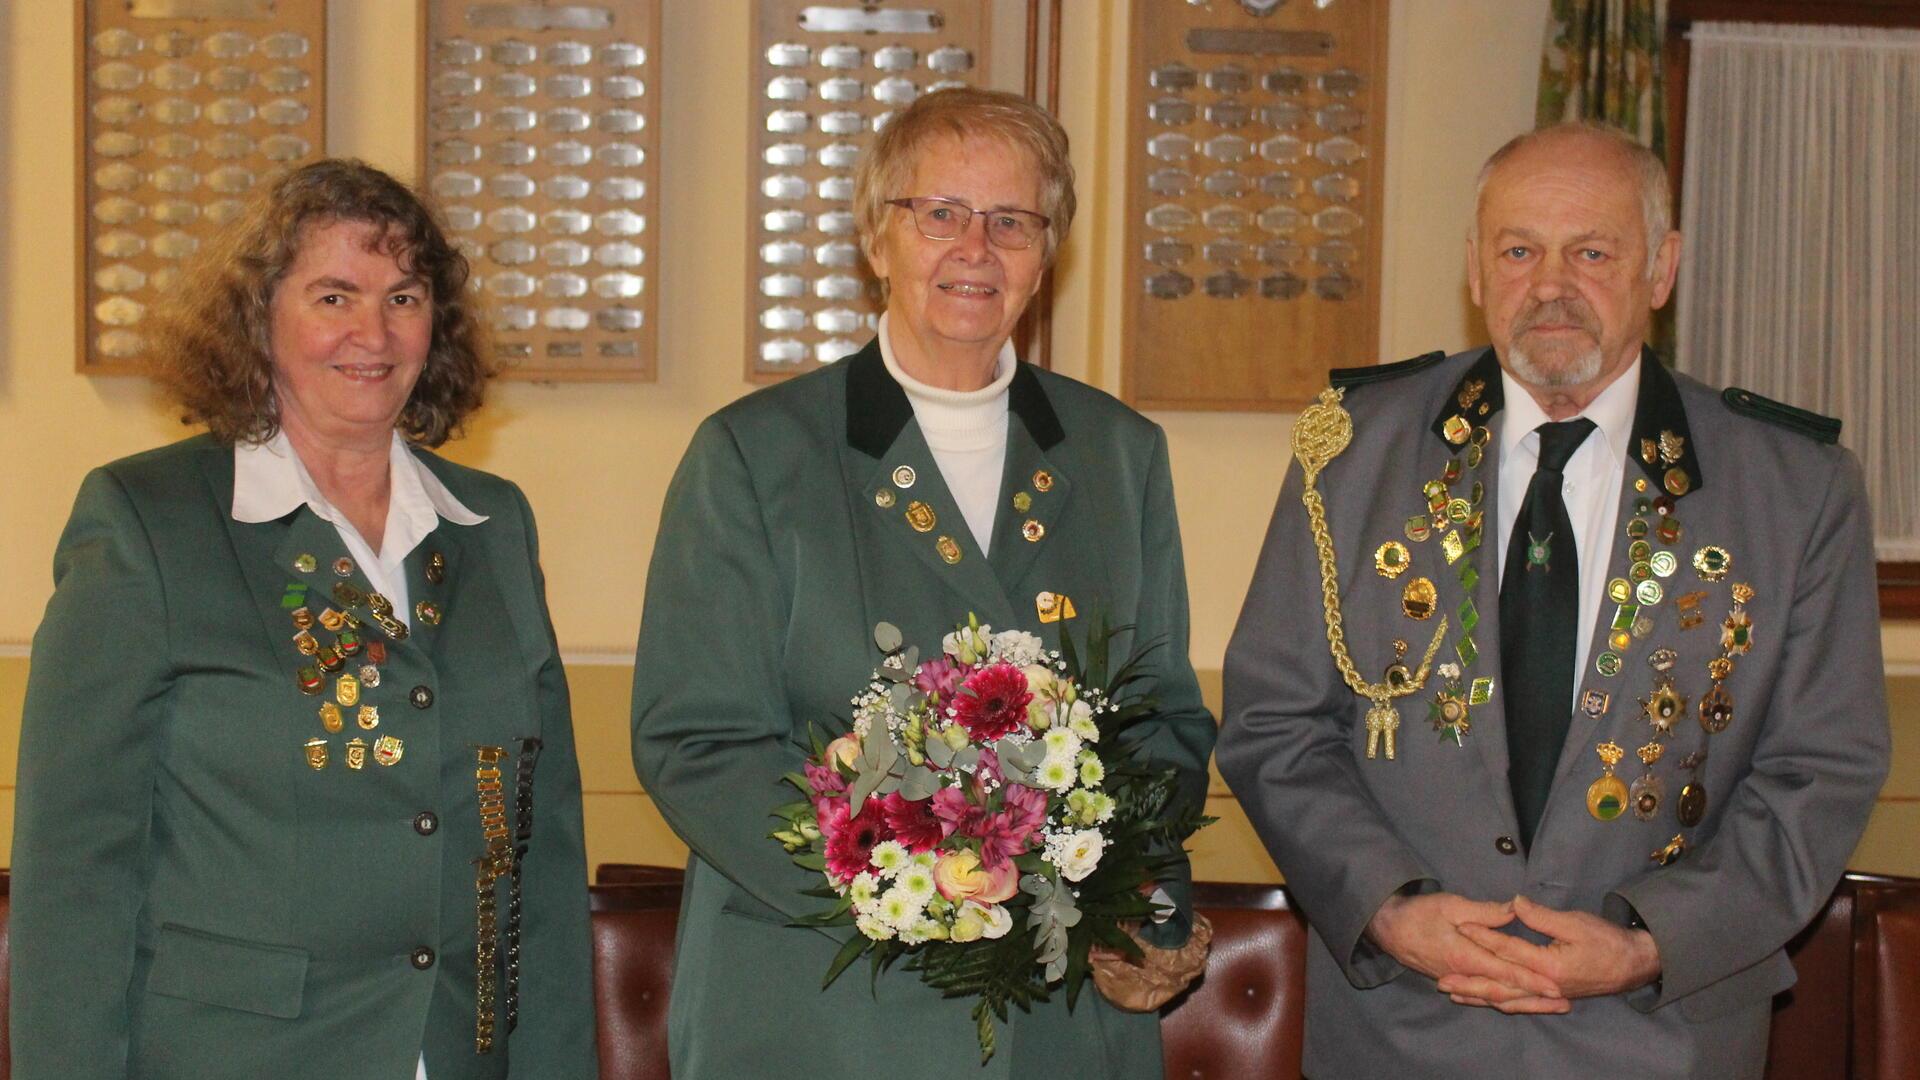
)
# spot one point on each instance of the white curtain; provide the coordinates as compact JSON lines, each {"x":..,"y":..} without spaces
{"x":1800,"y":277}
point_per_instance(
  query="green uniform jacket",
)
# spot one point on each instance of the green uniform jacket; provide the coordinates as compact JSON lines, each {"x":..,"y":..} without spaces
{"x":785,"y":538}
{"x":190,"y":898}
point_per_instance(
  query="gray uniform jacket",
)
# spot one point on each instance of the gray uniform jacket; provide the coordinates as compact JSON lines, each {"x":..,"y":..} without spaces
{"x":1756,"y":496}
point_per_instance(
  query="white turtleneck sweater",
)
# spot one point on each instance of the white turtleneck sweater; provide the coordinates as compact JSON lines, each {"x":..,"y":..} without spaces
{"x":967,"y":432}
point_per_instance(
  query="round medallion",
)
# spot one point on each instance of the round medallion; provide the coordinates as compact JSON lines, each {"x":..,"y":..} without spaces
{"x":1042,"y":481}
{"x":1639,"y":572}
{"x":1677,"y":481}
{"x":1637,"y":528}
{"x":1419,"y":598}
{"x":1607,"y":797}
{"x":1391,"y":559}
{"x":1417,"y":528}
{"x":1033,"y":531}
{"x":1712,"y":562}
{"x":1022,"y":502}
{"x":305,"y":563}
{"x":1646,"y":796}
{"x":903,"y":476}
{"x":1639,"y":551}
{"x":343,"y":566}
{"x":1663,"y":564}
{"x":1458,"y":510}
{"x":1619,"y":590}
{"x":1716,"y":710}
{"x":883,"y":498}
{"x":1649,"y":593}
{"x":1691,"y":808}
{"x":1607,"y":663}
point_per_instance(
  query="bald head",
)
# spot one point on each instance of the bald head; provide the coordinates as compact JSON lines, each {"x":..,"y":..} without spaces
{"x":1570,"y":253}
{"x":1603,"y":146}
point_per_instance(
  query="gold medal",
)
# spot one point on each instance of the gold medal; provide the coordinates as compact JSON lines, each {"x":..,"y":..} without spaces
{"x":330,"y":717}
{"x":303,"y":618}
{"x":1419,"y":598}
{"x":368,"y":717}
{"x":306,"y":643}
{"x":1607,"y":796}
{"x":1391,"y":559}
{"x":1456,"y":429}
{"x":1033,"y":531}
{"x":387,"y":750}
{"x":903,"y":476}
{"x":948,"y":548}
{"x":921,"y":516}
{"x":1712,"y":562}
{"x":883,"y":498}
{"x":356,"y":753}
{"x":348,"y":691}
{"x":305,"y":563}
{"x":332,"y":620}
{"x":1051,"y":607}
{"x":1736,"y":633}
{"x":1716,"y":709}
{"x":1647,"y":790}
{"x":1022,"y":502}
{"x":1042,"y":481}
{"x":1691,"y":808}
{"x":316,"y":750}
{"x":1663,"y":706}
{"x":427,"y":612}
{"x":1671,"y":448}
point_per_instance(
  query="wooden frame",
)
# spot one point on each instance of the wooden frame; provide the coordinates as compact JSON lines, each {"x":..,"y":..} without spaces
{"x":1229,"y":314}
{"x":197,"y":191}
{"x":601,"y":351}
{"x":1899,"y":581}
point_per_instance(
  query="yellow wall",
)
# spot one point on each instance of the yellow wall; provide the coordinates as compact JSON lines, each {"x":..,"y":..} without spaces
{"x":595,"y":459}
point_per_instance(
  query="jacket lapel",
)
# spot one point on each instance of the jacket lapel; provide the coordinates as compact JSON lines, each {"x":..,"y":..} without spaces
{"x":1659,"y":419}
{"x":890,"y":473}
{"x":1477,"y":401}
{"x":1034,"y":491}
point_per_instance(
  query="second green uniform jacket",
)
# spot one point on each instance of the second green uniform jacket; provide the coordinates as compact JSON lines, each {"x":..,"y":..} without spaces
{"x":798,"y":520}
{"x":193,"y":898}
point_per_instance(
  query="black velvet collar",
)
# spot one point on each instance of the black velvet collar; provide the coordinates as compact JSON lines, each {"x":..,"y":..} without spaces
{"x":877,"y":409}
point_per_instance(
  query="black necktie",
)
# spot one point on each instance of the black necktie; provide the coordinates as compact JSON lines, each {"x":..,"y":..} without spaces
{"x":1539,"y":616}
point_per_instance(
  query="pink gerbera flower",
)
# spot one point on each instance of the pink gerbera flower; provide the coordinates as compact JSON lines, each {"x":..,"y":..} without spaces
{"x":992,"y":702}
{"x":912,"y":822}
{"x":850,"y":846}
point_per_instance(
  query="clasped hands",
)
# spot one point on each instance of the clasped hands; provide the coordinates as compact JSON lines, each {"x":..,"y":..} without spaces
{"x":1457,"y":942}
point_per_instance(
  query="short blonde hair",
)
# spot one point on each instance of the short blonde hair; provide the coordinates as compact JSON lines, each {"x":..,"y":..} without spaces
{"x":964,"y":112}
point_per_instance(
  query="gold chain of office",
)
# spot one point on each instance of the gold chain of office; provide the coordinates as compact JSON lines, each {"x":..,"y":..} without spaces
{"x":1323,"y":430}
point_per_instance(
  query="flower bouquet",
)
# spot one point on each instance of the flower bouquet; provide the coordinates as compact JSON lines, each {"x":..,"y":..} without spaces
{"x":987,"y":820}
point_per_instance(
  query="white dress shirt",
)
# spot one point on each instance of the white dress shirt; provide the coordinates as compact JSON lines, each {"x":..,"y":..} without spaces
{"x":967,"y":432}
{"x":1590,"y":488}
{"x":270,"y":482}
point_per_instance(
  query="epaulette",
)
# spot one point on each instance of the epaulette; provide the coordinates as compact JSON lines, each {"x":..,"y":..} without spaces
{"x":1819,"y":428}
{"x":1347,"y":378}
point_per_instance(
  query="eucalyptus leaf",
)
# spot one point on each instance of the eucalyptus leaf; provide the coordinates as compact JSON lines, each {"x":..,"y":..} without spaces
{"x":863,"y":785}
{"x":941,"y":755}
{"x":911,"y":660}
{"x":1025,"y":756}
{"x":901,"y":696}
{"x":918,"y":783}
{"x":887,"y":637}
{"x":966,"y":758}
{"x":889,"y":784}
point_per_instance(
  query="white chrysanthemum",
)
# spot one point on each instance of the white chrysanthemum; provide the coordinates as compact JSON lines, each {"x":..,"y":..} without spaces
{"x":924,"y":929}
{"x":872,"y":926}
{"x":1091,"y":770}
{"x":1054,"y":774}
{"x":1102,"y":807}
{"x":1018,"y":647}
{"x":863,"y":889}
{"x":1084,"y":727}
{"x":1061,"y":743}
{"x":918,"y":882}
{"x":899,"y":908}
{"x":1076,"y":854}
{"x":889,"y":856}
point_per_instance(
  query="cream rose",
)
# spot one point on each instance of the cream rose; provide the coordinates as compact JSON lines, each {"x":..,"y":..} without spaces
{"x":1077,"y":854}
{"x":845,"y":749}
{"x":959,"y":876}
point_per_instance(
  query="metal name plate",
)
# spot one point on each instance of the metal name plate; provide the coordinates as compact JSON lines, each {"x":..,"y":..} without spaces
{"x":253,"y":10}
{"x":849,"y":20}
{"x":1259,"y":42}
{"x":535,"y":17}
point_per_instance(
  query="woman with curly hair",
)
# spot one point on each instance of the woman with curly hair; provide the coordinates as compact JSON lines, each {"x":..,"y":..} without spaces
{"x":296,"y":698}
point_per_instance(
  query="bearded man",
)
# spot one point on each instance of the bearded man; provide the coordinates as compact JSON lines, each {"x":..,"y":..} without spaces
{"x":1630,"y":625}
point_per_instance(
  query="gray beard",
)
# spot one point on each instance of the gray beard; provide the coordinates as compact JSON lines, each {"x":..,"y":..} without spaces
{"x":1583,"y":368}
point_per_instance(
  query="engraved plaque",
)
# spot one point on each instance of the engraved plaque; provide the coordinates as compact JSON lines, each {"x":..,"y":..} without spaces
{"x":184,"y":108}
{"x":1255,"y":134}
{"x":540,"y":143}
{"x":825,"y":78}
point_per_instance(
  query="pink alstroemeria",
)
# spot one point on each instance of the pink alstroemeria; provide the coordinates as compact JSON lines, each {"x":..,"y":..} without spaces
{"x":939,"y":677}
{"x":913,"y":822}
{"x":825,"y":779}
{"x":1006,"y":834}
{"x":957,"y":813}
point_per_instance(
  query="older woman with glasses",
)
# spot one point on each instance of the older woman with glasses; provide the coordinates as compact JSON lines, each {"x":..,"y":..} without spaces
{"x":930,"y":475}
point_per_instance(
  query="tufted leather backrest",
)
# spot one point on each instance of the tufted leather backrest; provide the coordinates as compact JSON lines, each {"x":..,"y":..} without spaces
{"x":1886,"y":980}
{"x":1242,"y":1017}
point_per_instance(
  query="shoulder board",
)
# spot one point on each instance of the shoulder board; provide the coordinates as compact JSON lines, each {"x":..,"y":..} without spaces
{"x":1814,"y":426}
{"x":1346,"y":378}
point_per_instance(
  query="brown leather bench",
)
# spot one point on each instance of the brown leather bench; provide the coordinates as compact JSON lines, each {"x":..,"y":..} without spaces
{"x":1854,"y":1014}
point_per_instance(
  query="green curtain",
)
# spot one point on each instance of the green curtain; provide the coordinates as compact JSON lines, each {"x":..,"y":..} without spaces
{"x":1602,"y":62}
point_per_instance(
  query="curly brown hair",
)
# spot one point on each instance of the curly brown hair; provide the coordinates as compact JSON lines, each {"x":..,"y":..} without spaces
{"x":211,"y":338}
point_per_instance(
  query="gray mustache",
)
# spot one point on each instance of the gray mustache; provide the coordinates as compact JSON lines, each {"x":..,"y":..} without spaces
{"x":1558,"y":311}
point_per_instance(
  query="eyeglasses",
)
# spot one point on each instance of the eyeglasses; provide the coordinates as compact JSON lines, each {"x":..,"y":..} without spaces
{"x":945,"y":219}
